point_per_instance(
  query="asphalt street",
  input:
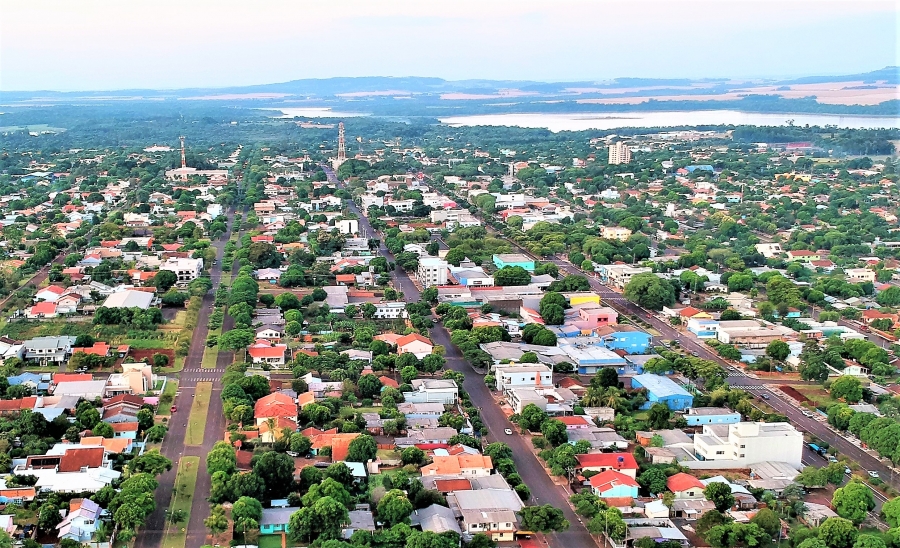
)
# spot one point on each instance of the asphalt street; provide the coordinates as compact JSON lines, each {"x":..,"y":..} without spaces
{"x":543,"y":490}
{"x":173,"y":446}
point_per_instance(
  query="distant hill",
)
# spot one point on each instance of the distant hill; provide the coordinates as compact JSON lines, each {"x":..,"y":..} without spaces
{"x":890,"y":75}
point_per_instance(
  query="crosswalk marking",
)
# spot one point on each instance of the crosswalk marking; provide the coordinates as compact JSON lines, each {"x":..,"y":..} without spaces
{"x":201,"y":370}
{"x":750,"y":387}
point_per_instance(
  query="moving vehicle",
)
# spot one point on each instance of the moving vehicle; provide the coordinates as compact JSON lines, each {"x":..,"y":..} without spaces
{"x":847,"y":471}
{"x":508,"y":432}
{"x":815,"y":448}
{"x":873,"y":474}
{"x":832,"y":458}
{"x":173,"y":409}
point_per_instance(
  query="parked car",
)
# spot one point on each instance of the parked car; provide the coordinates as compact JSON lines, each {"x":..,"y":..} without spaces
{"x":508,"y":432}
{"x":873,"y":474}
{"x":173,"y":408}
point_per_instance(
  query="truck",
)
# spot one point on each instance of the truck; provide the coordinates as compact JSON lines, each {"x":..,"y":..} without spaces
{"x":817,"y":449}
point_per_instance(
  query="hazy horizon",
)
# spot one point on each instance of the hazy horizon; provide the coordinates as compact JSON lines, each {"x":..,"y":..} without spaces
{"x":102,"y":45}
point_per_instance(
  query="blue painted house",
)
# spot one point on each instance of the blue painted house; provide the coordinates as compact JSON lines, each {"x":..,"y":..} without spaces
{"x":612,"y":484}
{"x":663,"y":390}
{"x":514,"y":259}
{"x":275,"y":520}
{"x":699,"y":416}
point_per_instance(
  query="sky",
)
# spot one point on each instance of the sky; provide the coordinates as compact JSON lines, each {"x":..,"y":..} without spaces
{"x":70,"y":45}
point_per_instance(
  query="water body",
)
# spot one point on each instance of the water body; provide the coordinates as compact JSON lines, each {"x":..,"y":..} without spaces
{"x":313,"y":112}
{"x":613,"y":120}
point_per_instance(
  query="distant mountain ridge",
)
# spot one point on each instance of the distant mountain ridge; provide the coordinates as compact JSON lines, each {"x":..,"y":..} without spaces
{"x":327,"y":87}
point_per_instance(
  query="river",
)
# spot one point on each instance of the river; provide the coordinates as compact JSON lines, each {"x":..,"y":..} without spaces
{"x":613,"y":120}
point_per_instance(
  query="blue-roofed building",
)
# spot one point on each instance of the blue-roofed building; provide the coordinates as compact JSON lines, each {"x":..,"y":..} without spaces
{"x":699,"y":416}
{"x":36,"y":383}
{"x":663,"y":390}
{"x":703,"y":167}
{"x":514,"y":259}
{"x":623,"y":337}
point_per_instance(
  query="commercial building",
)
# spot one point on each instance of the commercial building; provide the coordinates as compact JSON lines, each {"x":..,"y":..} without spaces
{"x":619,"y":154}
{"x":432,"y":391}
{"x":619,"y":275}
{"x":187,"y":270}
{"x":514,"y":259}
{"x":432,"y":271}
{"x":748,"y":443}
{"x":750,"y":333}
{"x":663,"y":390}
{"x":129,"y":298}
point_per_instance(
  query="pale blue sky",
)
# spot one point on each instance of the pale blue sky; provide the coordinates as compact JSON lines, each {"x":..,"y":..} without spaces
{"x":115,"y":44}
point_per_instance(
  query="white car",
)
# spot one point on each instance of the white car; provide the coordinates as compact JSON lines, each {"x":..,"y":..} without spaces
{"x":873,"y":474}
{"x":508,"y":432}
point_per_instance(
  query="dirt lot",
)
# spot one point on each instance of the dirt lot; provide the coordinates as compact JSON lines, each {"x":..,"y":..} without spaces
{"x":139,"y":355}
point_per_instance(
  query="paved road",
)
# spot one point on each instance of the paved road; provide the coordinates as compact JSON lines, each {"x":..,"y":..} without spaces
{"x":785,"y":405}
{"x":543,"y":490}
{"x":173,"y":446}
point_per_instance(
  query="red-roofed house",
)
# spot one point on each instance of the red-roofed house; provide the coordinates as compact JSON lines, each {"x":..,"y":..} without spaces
{"x":171,"y":247}
{"x":268,"y":353}
{"x":266,"y":238}
{"x":685,"y":486}
{"x":275,"y":405}
{"x":387,"y":381}
{"x":414,"y":344}
{"x":45,"y":309}
{"x":100,"y":348}
{"x":612,"y":484}
{"x":345,"y":279}
{"x":601,"y":462}
{"x":575,"y":422}
{"x":50,"y":293}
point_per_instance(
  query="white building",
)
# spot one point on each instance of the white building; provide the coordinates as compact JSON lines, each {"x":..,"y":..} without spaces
{"x":619,"y":154}
{"x":769,"y":251}
{"x":620,"y":274}
{"x":390,"y":310}
{"x":530,"y":374}
{"x":347,"y":226}
{"x":748,"y":443}
{"x":187,"y":270}
{"x":432,"y":271}
{"x":432,"y":391}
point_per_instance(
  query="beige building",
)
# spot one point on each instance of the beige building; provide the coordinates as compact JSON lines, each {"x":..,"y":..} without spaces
{"x":615,"y":233}
{"x":619,"y":154}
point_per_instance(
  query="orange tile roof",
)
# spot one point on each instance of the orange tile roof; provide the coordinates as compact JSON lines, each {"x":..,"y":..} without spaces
{"x":454,"y":464}
{"x":406,"y":339}
{"x":44,"y":307}
{"x":77,"y":458}
{"x":445,"y":486}
{"x":682,"y":482}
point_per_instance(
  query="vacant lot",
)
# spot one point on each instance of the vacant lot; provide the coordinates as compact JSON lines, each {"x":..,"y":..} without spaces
{"x":199,"y":411}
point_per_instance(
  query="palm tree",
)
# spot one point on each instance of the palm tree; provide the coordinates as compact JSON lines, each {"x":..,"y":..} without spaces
{"x":613,"y":398}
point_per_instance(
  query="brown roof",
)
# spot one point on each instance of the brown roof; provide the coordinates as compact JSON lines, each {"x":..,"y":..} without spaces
{"x":19,"y":404}
{"x":124,"y":426}
{"x":76,"y":459}
{"x":445,"y":486}
{"x":125,"y":398}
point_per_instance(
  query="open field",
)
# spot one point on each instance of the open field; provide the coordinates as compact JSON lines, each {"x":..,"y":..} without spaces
{"x":185,"y":483}
{"x":199,"y":411}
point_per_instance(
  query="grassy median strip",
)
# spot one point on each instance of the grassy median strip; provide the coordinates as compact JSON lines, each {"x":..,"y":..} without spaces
{"x":199,"y":410}
{"x":210,"y":357}
{"x":183,"y":496}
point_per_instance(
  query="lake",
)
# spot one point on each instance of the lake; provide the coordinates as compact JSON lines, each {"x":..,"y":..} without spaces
{"x":612,"y":120}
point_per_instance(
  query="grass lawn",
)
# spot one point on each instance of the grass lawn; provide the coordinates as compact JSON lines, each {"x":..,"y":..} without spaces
{"x":272,"y":541}
{"x":199,"y":411}
{"x":185,"y":483}
{"x":388,"y":454}
{"x":167,"y":397}
{"x":179,"y":318}
{"x":175,"y":367}
{"x":149,"y":344}
{"x":817,"y":394}
{"x":210,"y":356}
